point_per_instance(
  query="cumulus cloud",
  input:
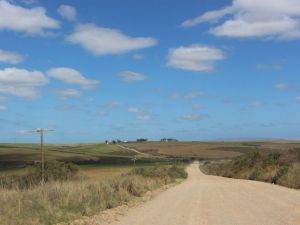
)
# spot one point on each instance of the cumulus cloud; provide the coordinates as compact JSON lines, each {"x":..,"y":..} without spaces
{"x":68,"y":93}
{"x":130,"y":76}
{"x":21,"y":82}
{"x":33,"y":21}
{"x":68,"y":12}
{"x":198,"y":58}
{"x":3,"y":108}
{"x":211,"y":16}
{"x":102,"y":41}
{"x":10,"y":57}
{"x":72,"y":76}
{"x":269,"y":19}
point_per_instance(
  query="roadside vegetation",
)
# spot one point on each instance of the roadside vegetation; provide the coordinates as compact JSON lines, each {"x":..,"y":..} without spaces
{"x":278,"y":167}
{"x":67,"y":195}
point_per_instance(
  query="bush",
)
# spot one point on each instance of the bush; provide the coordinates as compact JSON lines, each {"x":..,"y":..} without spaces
{"x":271,"y":159}
{"x":254,"y":174}
{"x":162,"y":172}
{"x":292,"y":177}
{"x":278,"y":168}
{"x":57,"y":171}
{"x":54,"y":171}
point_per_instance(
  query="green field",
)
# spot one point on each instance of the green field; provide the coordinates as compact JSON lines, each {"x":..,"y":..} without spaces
{"x":13,"y":156}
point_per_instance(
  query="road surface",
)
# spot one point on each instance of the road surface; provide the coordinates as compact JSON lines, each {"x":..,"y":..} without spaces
{"x":210,"y":200}
{"x":131,"y":149}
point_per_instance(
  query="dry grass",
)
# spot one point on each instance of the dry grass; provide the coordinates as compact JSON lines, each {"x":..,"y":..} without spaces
{"x":57,"y":202}
{"x":104,"y":172}
{"x":281,"y":167}
{"x":211,"y":150}
{"x":185,"y":149}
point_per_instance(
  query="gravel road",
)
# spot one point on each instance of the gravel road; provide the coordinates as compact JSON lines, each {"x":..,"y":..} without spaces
{"x":210,"y":200}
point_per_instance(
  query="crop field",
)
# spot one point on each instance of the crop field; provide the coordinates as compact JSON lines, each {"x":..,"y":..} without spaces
{"x":209,"y":150}
{"x":19,"y":155}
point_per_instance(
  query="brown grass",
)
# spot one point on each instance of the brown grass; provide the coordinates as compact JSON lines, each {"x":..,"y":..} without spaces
{"x":181,"y":149}
{"x":57,"y":202}
{"x":278,"y":167}
{"x":211,"y":150}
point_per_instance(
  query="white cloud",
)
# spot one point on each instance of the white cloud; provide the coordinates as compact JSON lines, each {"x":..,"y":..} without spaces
{"x":188,"y":96}
{"x":140,"y":114}
{"x":4,"y":99}
{"x":29,"y":2}
{"x":138,"y":56}
{"x":269,"y":67}
{"x":68,"y":93}
{"x":298,"y":98}
{"x":3,"y":108}
{"x":10,"y":57}
{"x":211,"y":16}
{"x":134,"y":110}
{"x":283,"y":86}
{"x":68,"y":12}
{"x":115,"y":104}
{"x":269,"y":19}
{"x":105,"y":41}
{"x":197,"y":58}
{"x":132,"y":76}
{"x":71,"y":76}
{"x":33,"y":21}
{"x":193,"y":118}
{"x":21,"y":82}
{"x":193,"y":95}
{"x":197,"y":106}
{"x":144,"y":117}
{"x":257,"y":104}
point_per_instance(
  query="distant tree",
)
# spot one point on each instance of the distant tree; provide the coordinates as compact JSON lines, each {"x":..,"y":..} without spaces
{"x":141,"y":140}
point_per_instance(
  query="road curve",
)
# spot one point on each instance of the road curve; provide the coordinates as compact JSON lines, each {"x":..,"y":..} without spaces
{"x":211,"y":200}
{"x":131,"y":149}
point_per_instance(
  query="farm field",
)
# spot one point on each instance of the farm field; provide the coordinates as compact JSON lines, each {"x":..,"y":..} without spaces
{"x":210,"y":150}
{"x":19,"y":155}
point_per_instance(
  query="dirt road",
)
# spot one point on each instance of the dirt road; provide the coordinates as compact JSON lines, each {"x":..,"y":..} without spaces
{"x":211,"y":200}
{"x":131,"y":149}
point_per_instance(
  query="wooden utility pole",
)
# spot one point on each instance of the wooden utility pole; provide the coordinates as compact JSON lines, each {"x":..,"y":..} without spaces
{"x":42,"y":132}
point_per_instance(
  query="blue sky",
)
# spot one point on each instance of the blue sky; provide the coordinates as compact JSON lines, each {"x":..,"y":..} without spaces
{"x":193,"y":70}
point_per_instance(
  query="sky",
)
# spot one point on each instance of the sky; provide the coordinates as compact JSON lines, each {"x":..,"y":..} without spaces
{"x":98,"y":70}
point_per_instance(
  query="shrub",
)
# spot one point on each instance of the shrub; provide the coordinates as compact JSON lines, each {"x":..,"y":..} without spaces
{"x":254,"y":174}
{"x":54,"y":171}
{"x":271,"y":159}
{"x":292,"y":177}
{"x":162,"y":172}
